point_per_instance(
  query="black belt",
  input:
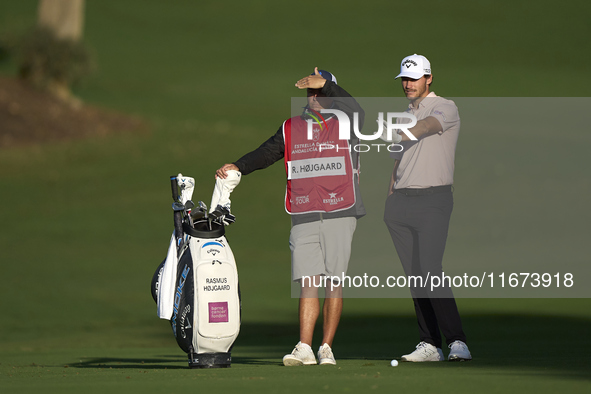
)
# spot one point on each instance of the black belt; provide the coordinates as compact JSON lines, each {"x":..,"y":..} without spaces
{"x":424,"y":192}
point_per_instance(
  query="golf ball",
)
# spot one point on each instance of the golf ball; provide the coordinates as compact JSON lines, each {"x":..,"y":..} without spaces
{"x":394,"y":363}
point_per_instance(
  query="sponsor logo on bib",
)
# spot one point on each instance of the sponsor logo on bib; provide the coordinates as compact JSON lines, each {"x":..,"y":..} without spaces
{"x":302,"y":200}
{"x":332,"y":199}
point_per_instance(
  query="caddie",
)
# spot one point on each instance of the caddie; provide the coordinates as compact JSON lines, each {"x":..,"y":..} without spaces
{"x":323,"y":199}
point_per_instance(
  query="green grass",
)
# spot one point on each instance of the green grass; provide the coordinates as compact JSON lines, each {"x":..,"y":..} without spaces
{"x":84,"y":224}
{"x":514,"y":352}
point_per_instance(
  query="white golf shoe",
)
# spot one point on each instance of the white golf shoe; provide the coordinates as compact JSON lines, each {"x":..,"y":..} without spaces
{"x":302,"y":354}
{"x":325,"y":355}
{"x":424,"y":352}
{"x":459,"y":352}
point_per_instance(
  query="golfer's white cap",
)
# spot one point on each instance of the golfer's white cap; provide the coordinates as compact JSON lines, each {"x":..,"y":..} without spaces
{"x":414,"y":66}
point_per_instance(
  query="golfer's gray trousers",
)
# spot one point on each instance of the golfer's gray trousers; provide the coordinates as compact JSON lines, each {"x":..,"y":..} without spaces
{"x":418,"y":224}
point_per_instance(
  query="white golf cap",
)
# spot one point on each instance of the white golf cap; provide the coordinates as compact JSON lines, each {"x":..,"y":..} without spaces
{"x":414,"y":66}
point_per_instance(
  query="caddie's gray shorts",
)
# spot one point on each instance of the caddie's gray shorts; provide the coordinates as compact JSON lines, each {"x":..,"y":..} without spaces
{"x":322,"y":247}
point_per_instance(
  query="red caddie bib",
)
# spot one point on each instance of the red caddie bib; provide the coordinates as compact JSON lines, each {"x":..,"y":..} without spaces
{"x":319,"y":170}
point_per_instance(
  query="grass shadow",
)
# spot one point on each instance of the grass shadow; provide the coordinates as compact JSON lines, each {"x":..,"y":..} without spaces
{"x":162,"y":362}
{"x":515,"y":344}
{"x":525,"y":344}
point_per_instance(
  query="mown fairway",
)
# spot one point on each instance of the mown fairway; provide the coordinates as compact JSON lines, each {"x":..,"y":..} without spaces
{"x":84,"y":224}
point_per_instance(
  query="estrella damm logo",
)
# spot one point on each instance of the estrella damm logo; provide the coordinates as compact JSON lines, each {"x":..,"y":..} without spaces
{"x":313,"y":132}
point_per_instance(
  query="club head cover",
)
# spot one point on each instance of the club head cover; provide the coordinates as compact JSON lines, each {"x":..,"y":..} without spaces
{"x":187,"y":185}
{"x":222,"y":190}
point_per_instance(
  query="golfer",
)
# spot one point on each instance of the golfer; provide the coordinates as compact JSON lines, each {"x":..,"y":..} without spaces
{"x":419,"y":205}
{"x":323,"y":199}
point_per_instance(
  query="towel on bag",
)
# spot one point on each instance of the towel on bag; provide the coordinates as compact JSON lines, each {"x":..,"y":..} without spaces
{"x":166,"y":283}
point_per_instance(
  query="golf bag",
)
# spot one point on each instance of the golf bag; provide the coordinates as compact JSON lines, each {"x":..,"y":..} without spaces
{"x":196,"y":286}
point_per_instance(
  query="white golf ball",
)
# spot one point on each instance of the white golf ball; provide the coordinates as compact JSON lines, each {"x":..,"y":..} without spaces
{"x":394,"y":363}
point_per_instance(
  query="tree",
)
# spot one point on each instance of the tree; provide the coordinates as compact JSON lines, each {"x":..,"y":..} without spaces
{"x":64,"y":18}
{"x":53,"y":56}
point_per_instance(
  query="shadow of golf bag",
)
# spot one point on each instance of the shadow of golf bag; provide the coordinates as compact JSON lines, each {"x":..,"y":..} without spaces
{"x":205,"y":295}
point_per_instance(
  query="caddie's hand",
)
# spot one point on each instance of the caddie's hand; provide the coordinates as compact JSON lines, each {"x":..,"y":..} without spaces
{"x":221,"y":172}
{"x":315,"y":81}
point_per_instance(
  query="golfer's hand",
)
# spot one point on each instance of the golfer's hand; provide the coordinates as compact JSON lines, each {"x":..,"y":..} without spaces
{"x":315,"y":81}
{"x":221,"y":172}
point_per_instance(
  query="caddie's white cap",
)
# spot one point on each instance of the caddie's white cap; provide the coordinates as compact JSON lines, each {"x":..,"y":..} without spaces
{"x":414,"y":66}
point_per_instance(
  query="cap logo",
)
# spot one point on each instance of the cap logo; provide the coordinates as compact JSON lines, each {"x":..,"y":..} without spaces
{"x":408,"y":63}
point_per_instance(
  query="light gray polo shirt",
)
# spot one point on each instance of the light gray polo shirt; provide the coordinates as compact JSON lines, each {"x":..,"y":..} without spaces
{"x":430,"y":160}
